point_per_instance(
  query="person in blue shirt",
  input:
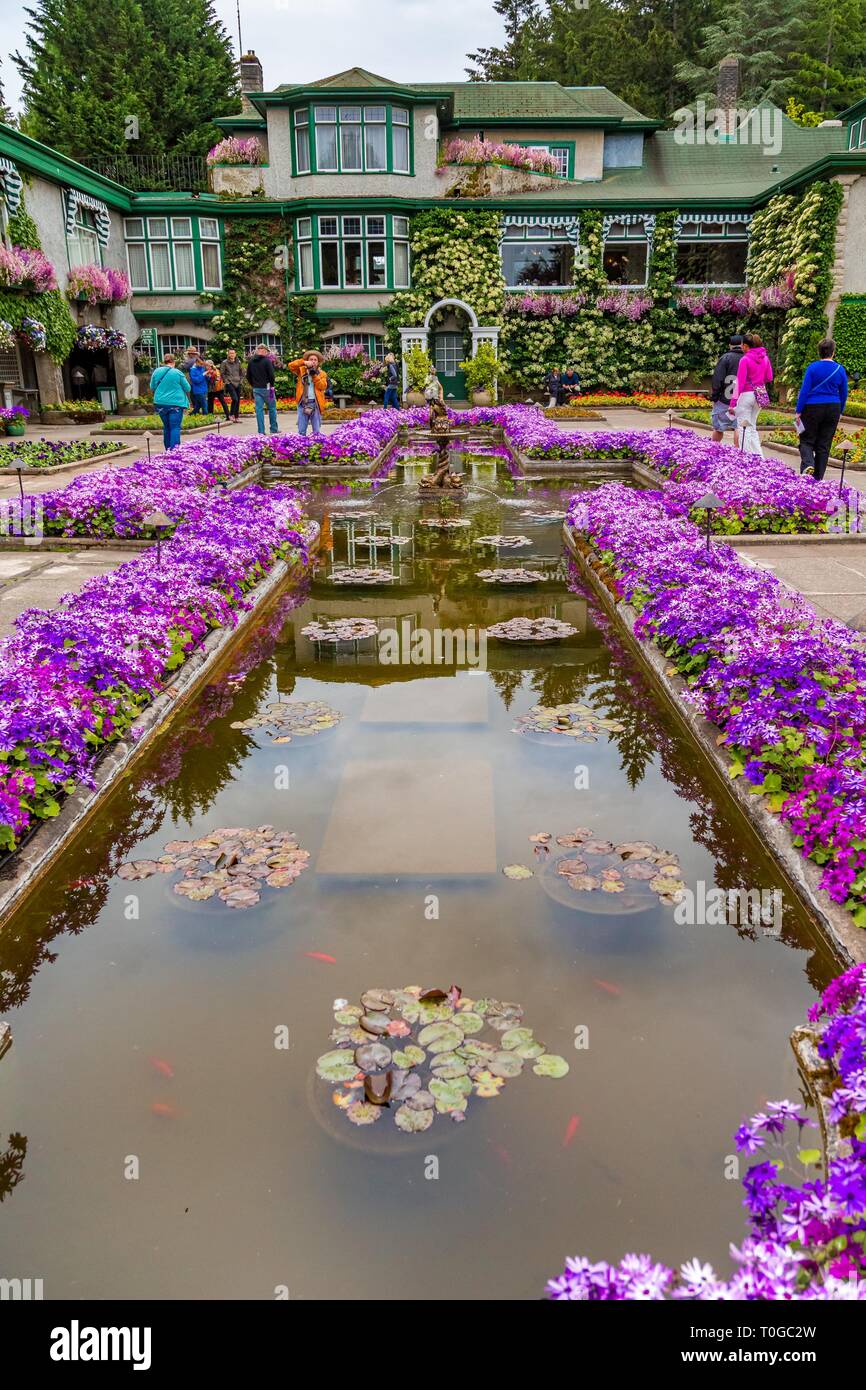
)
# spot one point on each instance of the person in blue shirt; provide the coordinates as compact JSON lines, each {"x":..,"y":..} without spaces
{"x":198,"y":385}
{"x":819,"y":405}
{"x":171,"y":392}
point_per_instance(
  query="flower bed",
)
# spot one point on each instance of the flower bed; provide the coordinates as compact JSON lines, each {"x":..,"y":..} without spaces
{"x":113,"y":503}
{"x":786,"y":689}
{"x":767,"y":417}
{"x":236,"y":150}
{"x":46,"y":453}
{"x":807,"y":1235}
{"x":137,"y":424}
{"x":77,"y":677}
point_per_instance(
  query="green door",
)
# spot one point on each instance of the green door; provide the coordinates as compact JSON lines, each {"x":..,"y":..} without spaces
{"x":447,"y":352}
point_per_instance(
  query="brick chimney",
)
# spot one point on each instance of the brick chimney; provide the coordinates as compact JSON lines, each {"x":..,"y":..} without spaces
{"x":726,"y":95}
{"x":252,"y":80}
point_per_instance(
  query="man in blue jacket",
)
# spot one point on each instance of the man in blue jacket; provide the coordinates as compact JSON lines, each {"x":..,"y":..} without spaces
{"x":819,"y":405}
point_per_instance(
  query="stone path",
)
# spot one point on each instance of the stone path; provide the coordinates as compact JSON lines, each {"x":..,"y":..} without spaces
{"x":39,"y":579}
{"x":832,"y":578}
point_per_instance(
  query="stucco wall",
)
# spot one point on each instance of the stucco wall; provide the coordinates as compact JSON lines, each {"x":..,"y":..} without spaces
{"x":588,"y":144}
{"x":854,"y":275}
{"x":278,"y":181}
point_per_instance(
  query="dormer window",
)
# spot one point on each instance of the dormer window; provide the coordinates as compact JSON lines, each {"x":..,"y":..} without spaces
{"x":352,"y":139}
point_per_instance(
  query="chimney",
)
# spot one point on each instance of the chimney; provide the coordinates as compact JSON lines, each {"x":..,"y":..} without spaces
{"x":728,"y":90}
{"x":252,"y":80}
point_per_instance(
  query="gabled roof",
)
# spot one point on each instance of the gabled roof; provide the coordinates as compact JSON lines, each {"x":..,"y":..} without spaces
{"x":513,"y":103}
{"x":352,"y":77}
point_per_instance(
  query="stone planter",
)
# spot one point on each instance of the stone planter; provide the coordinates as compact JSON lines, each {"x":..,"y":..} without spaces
{"x":53,"y":417}
{"x":481,"y":397}
{"x":414,"y":398}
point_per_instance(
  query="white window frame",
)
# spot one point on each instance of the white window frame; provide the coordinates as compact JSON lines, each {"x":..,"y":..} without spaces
{"x":142,"y":246}
{"x":175,"y":247}
{"x":211,"y":244}
{"x":151,"y":247}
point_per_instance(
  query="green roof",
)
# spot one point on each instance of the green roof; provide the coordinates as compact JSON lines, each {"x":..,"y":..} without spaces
{"x":513,"y":102}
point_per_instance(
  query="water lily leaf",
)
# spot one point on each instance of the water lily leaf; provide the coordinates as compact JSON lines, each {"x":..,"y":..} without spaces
{"x":597,"y":847}
{"x":377,"y":1000}
{"x":471,"y":1048}
{"x":422,"y":1100}
{"x":348,"y":1037}
{"x":542,"y":838}
{"x":138,"y":869}
{"x":517,"y":871}
{"x":583,"y":883}
{"x":179,"y":847}
{"x":410,"y":1056}
{"x":449,"y":1095}
{"x":441,"y":1037}
{"x":405,"y":1084}
{"x":431,"y":1012}
{"x":377,"y":1024}
{"x":448,"y":1066}
{"x":488,"y":1086}
{"x":195,"y":889}
{"x":336,"y":1066}
{"x":360,"y":1112}
{"x":664,"y":884}
{"x":505,"y":1064}
{"x":397,"y":1028}
{"x":372,"y":1058}
{"x":470,"y":1021}
{"x":641,"y":871}
{"x":551,"y":1065}
{"x":612,"y":885}
{"x":413,"y":1121}
{"x":348,"y":1015}
{"x":516,"y":1037}
{"x":670,"y":870}
{"x":636,"y":849}
{"x":573,"y":865}
{"x":577,"y":837}
{"x":528,"y":1051}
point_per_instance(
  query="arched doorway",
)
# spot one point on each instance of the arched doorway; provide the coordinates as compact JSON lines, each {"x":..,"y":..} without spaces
{"x":449,"y":326}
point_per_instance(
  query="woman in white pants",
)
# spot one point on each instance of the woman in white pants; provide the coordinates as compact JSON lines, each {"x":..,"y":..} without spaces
{"x":750,"y":393}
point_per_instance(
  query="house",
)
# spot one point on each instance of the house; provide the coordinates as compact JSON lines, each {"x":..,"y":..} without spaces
{"x":348,"y":161}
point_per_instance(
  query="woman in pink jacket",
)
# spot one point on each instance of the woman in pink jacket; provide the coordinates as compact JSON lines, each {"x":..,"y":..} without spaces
{"x":750,"y":393}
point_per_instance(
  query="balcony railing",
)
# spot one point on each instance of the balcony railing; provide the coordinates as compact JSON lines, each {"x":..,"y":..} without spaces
{"x":145,"y":173}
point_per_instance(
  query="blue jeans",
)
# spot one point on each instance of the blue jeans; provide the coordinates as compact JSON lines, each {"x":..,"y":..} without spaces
{"x":392,"y":400}
{"x":306,"y":421}
{"x":199,"y":402}
{"x":262,"y":394}
{"x":171,"y":416}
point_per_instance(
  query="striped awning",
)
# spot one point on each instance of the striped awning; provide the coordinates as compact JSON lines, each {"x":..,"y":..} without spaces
{"x":74,"y":200}
{"x":569,"y":224}
{"x":11,"y":184}
{"x":704,"y":218}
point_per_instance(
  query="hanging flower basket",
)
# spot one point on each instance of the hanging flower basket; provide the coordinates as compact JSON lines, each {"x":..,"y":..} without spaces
{"x":26,"y":269}
{"x":94,"y":338}
{"x":91,"y":284}
{"x":34,"y":334}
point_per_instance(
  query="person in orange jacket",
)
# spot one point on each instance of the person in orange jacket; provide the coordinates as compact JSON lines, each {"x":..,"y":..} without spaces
{"x":312,"y":388}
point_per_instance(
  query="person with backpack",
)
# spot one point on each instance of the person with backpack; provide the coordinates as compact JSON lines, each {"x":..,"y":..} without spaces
{"x":722,"y":387}
{"x":392,"y":394}
{"x":171,"y":395}
{"x":820,"y":403}
{"x":750,"y":395}
{"x":216,"y":390}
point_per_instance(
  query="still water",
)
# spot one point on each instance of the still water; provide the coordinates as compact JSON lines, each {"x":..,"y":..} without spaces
{"x":156,"y":1143}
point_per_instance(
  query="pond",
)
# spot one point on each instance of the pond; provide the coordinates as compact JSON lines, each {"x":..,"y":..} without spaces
{"x":163,"y":1132}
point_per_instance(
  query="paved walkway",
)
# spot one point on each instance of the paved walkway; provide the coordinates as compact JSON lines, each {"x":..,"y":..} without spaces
{"x":39,"y":579}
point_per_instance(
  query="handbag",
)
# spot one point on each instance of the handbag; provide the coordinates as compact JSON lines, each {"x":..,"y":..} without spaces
{"x":762,"y":397}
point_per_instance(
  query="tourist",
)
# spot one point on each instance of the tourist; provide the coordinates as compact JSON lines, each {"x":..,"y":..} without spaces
{"x":261,"y":376}
{"x":188,"y":360}
{"x":392,"y":395}
{"x":570,"y":384}
{"x":722,"y":388}
{"x":311,"y":392}
{"x":216,"y":390}
{"x":750,"y":393}
{"x":553,"y":387}
{"x":232,"y":373}
{"x":819,"y":405}
{"x":198,"y":386}
{"x":171,"y":393}
{"x":433,"y":387}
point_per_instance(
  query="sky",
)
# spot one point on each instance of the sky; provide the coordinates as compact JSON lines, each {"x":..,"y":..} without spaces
{"x":407,"y":40}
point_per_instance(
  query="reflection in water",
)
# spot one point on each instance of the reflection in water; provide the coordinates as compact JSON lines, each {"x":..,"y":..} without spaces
{"x":206,"y":988}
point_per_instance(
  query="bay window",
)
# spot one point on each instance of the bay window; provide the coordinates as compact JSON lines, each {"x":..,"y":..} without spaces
{"x":711,"y":252}
{"x":353,"y":139}
{"x":173,"y":254}
{"x":539,"y":255}
{"x":352,"y":252}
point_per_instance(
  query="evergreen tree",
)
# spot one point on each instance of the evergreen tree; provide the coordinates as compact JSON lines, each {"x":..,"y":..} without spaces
{"x":515,"y":61}
{"x":89,"y":69}
{"x":763,"y":35}
{"x":831,"y":66}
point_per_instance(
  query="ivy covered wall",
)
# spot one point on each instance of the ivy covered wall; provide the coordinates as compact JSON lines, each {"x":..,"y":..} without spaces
{"x":50,"y":308}
{"x":849,"y":330}
{"x":257,"y":273}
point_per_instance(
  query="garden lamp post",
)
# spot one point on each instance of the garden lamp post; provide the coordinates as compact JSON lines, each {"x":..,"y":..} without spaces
{"x":159,"y":521}
{"x":710,"y":503}
{"x":147,"y":442}
{"x":844,"y":450}
{"x":670,"y":419}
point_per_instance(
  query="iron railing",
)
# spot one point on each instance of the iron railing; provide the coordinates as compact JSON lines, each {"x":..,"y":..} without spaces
{"x":144,"y":173}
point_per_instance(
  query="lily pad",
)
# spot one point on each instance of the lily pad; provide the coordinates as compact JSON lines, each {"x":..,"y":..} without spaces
{"x":361,"y":1112}
{"x":441,"y":1037}
{"x":517,"y":871}
{"x":413,"y":1121}
{"x":448,"y":1066}
{"x":336,"y":1066}
{"x":470,"y":1021}
{"x":505,"y":1064}
{"x":551,"y":1065}
{"x":372,"y":1058}
{"x":516,"y":1037}
{"x":449,"y":1095}
{"x":348,"y":1015}
{"x":377,"y":1000}
{"x":409,"y":1056}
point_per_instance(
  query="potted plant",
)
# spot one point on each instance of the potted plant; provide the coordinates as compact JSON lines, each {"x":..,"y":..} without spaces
{"x":136,"y":405}
{"x":417,"y":363}
{"x":481,"y":372}
{"x":15,"y":418}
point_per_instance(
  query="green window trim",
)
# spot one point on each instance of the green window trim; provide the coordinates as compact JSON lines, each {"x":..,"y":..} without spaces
{"x":316,"y":233}
{"x":306,"y":129}
{"x":165,"y":239}
{"x":372,"y":343}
